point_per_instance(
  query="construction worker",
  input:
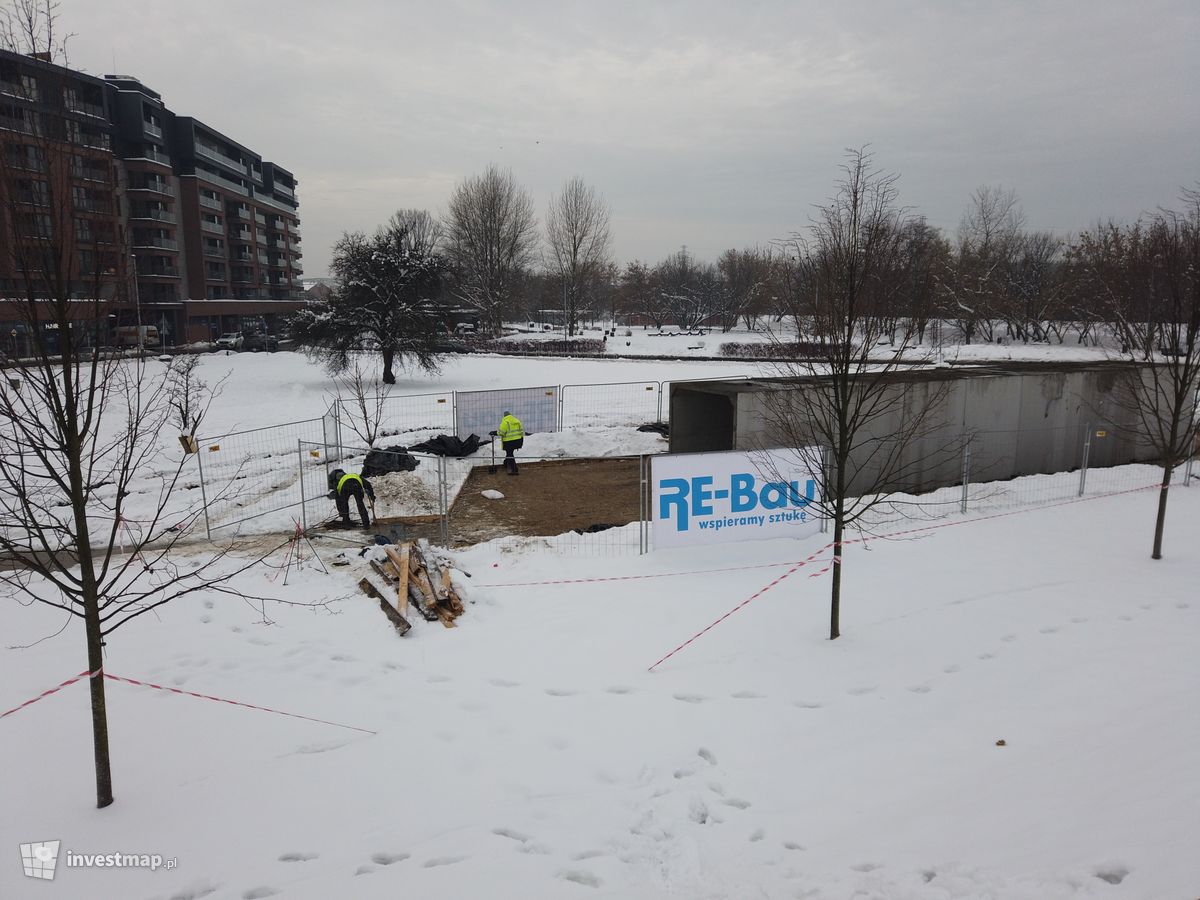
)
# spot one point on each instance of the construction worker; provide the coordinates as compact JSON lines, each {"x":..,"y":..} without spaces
{"x":512,"y":438}
{"x":344,"y":485}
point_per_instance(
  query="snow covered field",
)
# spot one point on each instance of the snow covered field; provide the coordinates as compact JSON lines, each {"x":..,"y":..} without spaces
{"x":529,"y":754}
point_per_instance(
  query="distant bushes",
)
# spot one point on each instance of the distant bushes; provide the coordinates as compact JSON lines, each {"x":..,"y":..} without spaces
{"x":580,"y":346}
{"x":773,"y":349}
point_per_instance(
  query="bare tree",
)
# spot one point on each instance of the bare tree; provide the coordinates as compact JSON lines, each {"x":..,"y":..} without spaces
{"x":491,"y":237}
{"x":873,"y":425}
{"x":365,"y":397}
{"x":976,"y":286}
{"x":190,"y":395}
{"x":1147,"y":280}
{"x":421,"y":233}
{"x":639,"y":295}
{"x":90,"y":520}
{"x":578,"y":242}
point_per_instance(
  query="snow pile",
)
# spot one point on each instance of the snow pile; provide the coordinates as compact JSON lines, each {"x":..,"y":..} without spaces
{"x":528,"y":752}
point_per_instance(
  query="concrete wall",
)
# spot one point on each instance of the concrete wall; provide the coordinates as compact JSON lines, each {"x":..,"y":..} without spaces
{"x":1016,"y":423}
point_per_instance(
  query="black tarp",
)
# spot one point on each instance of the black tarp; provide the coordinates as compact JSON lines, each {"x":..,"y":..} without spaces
{"x":448,"y":445}
{"x":389,"y":459}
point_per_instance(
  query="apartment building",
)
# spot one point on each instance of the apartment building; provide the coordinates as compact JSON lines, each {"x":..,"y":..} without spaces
{"x":204,"y":229}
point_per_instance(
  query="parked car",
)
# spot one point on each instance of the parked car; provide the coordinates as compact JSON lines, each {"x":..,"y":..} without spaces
{"x":232,"y":340}
{"x":260,"y":340}
{"x":137,"y":336}
{"x":465,"y":328}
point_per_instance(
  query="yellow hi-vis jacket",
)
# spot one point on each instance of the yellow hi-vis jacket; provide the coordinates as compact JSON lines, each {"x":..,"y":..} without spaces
{"x":349,"y":476}
{"x":510,"y":429}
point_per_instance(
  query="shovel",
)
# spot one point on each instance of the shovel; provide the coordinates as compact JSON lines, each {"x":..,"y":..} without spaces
{"x":492,"y":467}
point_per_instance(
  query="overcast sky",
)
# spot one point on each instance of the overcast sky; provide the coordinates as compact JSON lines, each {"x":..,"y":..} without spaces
{"x":707,"y":124}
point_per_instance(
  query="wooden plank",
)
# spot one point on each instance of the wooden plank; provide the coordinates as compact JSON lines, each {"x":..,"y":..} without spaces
{"x":414,"y":596}
{"x":400,"y":623}
{"x":402,"y":586}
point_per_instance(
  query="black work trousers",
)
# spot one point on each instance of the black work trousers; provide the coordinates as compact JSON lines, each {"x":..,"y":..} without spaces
{"x":352,"y":489}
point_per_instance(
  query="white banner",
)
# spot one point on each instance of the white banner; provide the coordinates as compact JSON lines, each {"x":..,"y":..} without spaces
{"x":478,"y":412}
{"x":716,"y":498}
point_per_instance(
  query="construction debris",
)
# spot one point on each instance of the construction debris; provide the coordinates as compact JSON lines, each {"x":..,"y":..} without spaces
{"x":418,"y":578}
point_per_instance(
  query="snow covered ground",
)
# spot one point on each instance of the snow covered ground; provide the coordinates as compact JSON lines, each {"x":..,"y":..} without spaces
{"x":528,"y":753}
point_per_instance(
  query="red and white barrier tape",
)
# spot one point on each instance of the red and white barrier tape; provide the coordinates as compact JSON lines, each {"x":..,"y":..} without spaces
{"x":634,"y":577}
{"x":836,"y":560}
{"x":54,"y":690}
{"x":759,"y":593}
{"x":278,"y":712}
{"x":174,"y":690}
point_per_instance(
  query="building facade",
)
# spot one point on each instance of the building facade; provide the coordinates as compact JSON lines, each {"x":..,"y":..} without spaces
{"x":205,"y":230}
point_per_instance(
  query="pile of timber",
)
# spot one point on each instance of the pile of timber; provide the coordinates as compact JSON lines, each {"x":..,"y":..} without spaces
{"x":416,"y":578}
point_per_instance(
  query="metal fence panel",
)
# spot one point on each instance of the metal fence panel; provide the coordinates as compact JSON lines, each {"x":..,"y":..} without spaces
{"x":478,"y":412}
{"x":623,"y":403}
{"x":253,"y":474}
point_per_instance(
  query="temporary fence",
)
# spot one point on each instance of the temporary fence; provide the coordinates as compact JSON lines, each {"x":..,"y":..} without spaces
{"x":247,"y":475}
{"x":275,"y":474}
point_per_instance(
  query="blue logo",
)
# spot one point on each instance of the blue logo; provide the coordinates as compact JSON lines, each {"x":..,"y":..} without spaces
{"x":688,"y":499}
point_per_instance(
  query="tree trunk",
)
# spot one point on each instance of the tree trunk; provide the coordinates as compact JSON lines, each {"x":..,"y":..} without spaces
{"x":1161,"y":521}
{"x":95,"y":645}
{"x":389,"y":355}
{"x":835,"y":599}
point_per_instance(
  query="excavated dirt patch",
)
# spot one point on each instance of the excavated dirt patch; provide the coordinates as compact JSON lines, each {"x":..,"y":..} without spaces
{"x":547,"y":498}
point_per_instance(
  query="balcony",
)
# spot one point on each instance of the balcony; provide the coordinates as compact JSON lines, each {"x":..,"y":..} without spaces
{"x":239,"y":235}
{"x":93,"y":204}
{"x":214,"y":276}
{"x":155,"y":187}
{"x":283,"y":189}
{"x":158,"y":215}
{"x":242,"y":257}
{"x":240,"y":212}
{"x":217,"y":252}
{"x":260,"y":240}
{"x":21,"y":90}
{"x":227,"y":183}
{"x":260,"y":219}
{"x":96,"y":141}
{"x":156,"y":155}
{"x":151,"y":129}
{"x":212,"y":227}
{"x":268,"y":200}
{"x":278,"y":244}
{"x":158,"y":272}
{"x":217,"y":156}
{"x":210,"y":202}
{"x":159,"y":243}
{"x":262,"y":259}
{"x":21,"y":126}
{"x":95,"y":110}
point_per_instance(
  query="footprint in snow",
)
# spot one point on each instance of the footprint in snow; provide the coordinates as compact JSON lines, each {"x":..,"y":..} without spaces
{"x":1113,"y":874}
{"x":865,"y":867}
{"x":502,"y":683}
{"x":587,"y":854}
{"x":951,"y":669}
{"x":707,"y":755}
{"x":690,"y":698}
{"x":792,"y":845}
{"x":806,"y":704}
{"x":1125,"y":618}
{"x":443,"y":861}
{"x":1008,"y":638}
{"x":618,"y":689}
{"x":859,"y":691}
{"x":757,"y":835}
{"x":259,"y":892}
{"x":737,"y":803}
{"x":1078,"y":620}
{"x":387,"y":859}
{"x":1049,"y":629}
{"x":561,"y":692}
{"x":746,"y":695}
{"x":297,"y":857}
{"x":437,"y":679}
{"x":204,"y":620}
{"x":920,"y":689}
{"x":578,"y":876}
{"x":512,"y":834}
